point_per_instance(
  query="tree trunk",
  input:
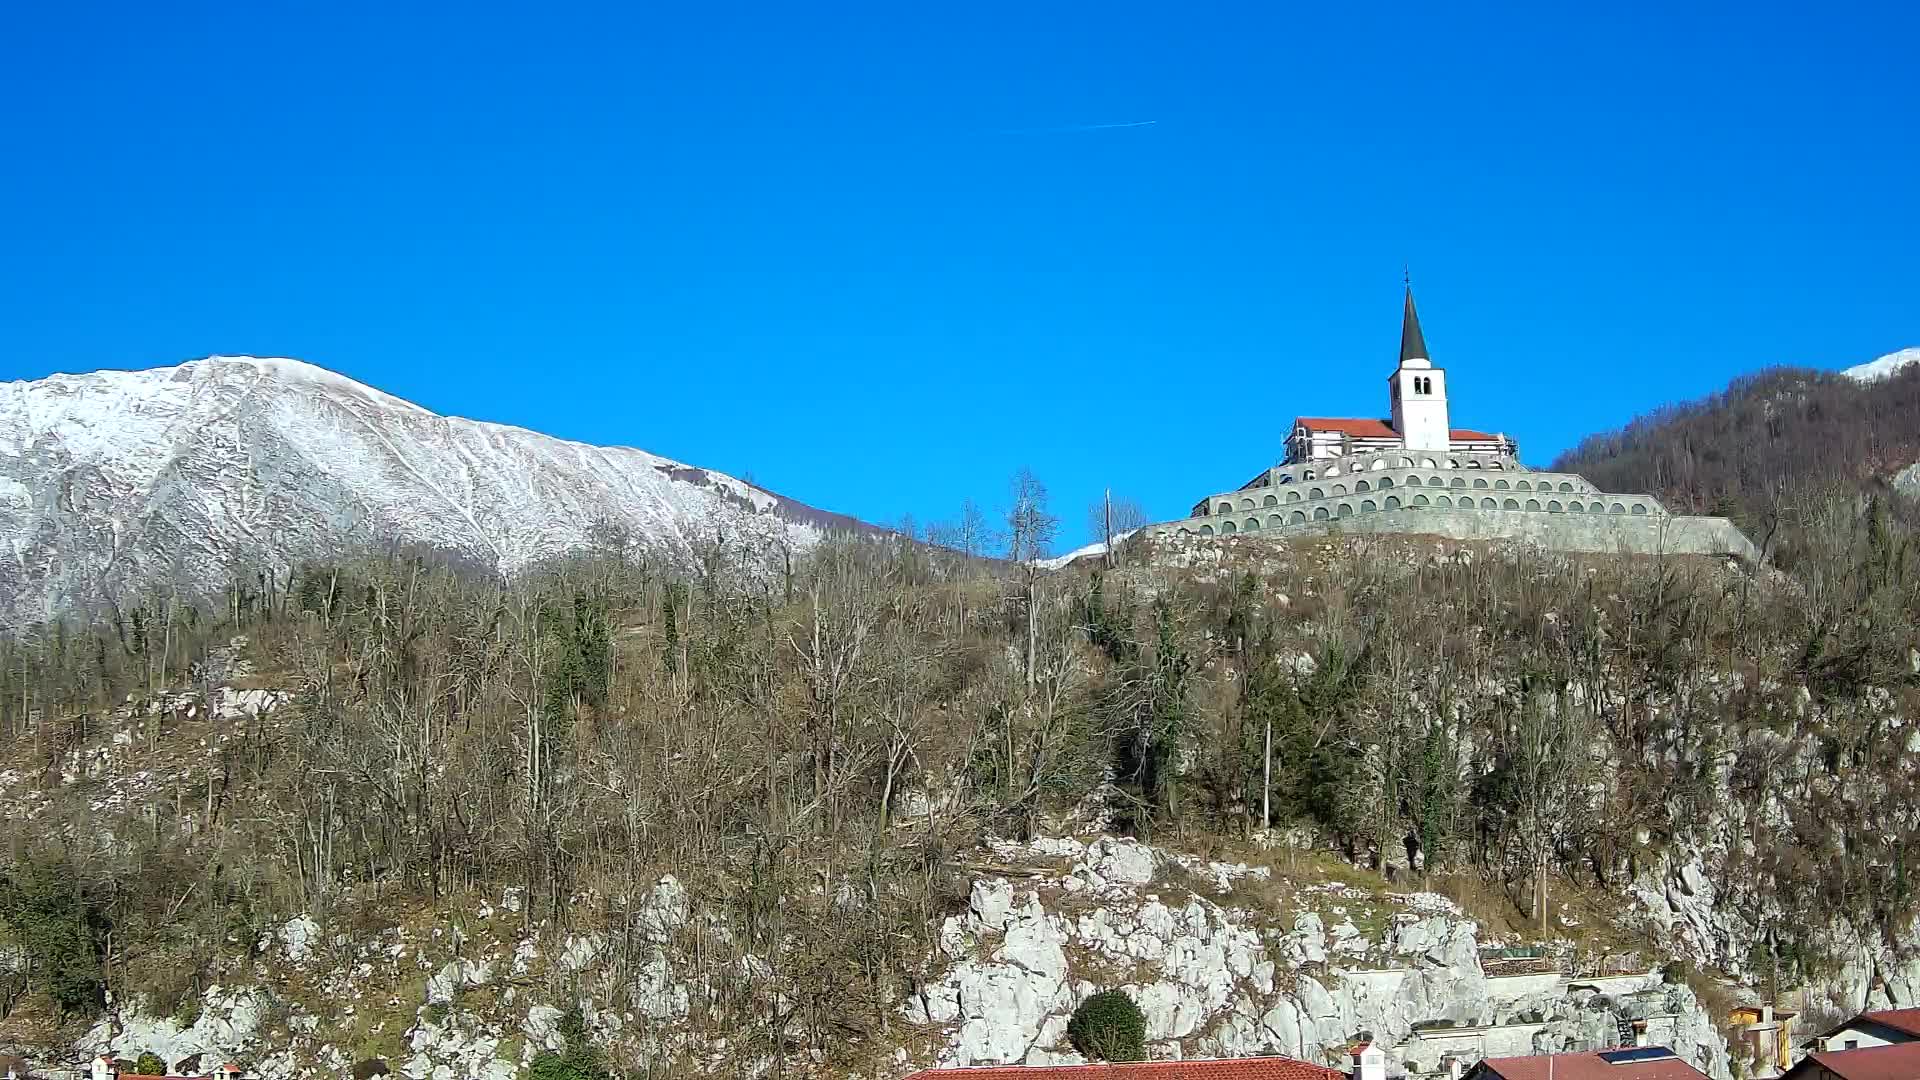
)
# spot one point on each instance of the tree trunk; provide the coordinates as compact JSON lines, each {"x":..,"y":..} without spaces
{"x":1540,"y":888}
{"x":1266,"y":781}
{"x":1033,"y":619}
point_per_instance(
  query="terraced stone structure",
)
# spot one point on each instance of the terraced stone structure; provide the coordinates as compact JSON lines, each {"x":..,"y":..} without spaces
{"x":1416,"y":473}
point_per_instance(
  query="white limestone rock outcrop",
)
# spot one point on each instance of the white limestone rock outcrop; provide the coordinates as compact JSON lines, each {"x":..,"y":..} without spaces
{"x":1215,"y":979}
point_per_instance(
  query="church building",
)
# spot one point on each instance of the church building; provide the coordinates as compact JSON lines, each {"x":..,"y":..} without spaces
{"x":1417,"y":413}
{"x":1414,"y":472}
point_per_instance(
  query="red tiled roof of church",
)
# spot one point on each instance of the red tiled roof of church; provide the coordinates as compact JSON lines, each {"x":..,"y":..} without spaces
{"x":1363,"y":428}
{"x":1269,"y":1068}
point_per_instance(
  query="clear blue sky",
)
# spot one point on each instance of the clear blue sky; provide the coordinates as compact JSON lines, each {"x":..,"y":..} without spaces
{"x":878,"y":257}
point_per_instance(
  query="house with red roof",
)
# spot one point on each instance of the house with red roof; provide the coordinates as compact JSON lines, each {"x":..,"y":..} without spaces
{"x":1626,"y":1063}
{"x":1887,"y":1061}
{"x":1883,"y":1027}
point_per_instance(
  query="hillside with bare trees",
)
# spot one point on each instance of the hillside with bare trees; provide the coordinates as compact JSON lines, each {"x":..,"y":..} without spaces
{"x":1765,"y":450}
{"x":816,"y":755}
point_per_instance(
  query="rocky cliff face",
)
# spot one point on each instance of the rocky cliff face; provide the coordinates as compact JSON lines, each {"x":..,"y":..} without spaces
{"x":1253,"y":966}
{"x":1294,"y":976}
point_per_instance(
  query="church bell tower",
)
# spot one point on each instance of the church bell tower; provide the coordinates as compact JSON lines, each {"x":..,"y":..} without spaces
{"x":1419,"y":390}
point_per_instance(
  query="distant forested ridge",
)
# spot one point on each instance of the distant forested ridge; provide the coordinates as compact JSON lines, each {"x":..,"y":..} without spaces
{"x":1763,"y":448}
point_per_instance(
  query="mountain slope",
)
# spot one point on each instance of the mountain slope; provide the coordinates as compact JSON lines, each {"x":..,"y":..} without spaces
{"x":116,"y":482}
{"x":1767,"y":437}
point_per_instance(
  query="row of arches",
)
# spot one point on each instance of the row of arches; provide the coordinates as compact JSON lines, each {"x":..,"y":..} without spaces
{"x":1229,"y":527}
{"x":1226,"y":506}
{"x":1377,"y":462}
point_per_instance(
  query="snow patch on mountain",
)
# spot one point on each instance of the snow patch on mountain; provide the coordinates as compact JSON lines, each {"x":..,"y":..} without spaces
{"x":1098,"y":547}
{"x":1885,"y":367}
{"x":115,"y":483}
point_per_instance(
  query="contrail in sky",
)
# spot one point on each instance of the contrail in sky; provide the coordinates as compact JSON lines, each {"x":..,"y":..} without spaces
{"x":1078,"y":127}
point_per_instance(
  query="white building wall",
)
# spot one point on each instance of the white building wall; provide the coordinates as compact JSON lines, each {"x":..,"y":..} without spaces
{"x":1515,"y":987}
{"x":1859,"y":1036}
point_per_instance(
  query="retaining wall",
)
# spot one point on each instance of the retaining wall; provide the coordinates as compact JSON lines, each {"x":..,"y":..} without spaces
{"x":1650,"y":534}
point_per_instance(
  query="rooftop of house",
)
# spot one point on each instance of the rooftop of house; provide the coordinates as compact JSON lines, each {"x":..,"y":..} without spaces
{"x":1906,"y":1021}
{"x":1267,"y":1068}
{"x":1627,"y":1063}
{"x":1899,"y":1061}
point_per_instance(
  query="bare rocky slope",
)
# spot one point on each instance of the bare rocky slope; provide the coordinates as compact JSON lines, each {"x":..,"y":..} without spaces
{"x":118,"y":484}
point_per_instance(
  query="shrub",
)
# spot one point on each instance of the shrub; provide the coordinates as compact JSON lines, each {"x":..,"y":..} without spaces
{"x":552,"y":1066}
{"x":1109,"y":1027}
{"x":581,"y":1059}
{"x":150,"y":1064}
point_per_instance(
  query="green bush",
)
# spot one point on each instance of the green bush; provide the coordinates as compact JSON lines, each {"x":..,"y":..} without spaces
{"x":580,"y":1060}
{"x":569,"y":1066}
{"x":1109,"y":1027}
{"x":150,"y":1064}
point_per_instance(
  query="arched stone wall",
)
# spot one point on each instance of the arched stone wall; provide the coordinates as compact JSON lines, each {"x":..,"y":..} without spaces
{"x":1376,"y":475}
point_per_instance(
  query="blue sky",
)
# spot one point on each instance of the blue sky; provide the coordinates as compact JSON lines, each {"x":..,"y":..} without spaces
{"x":878,"y":257}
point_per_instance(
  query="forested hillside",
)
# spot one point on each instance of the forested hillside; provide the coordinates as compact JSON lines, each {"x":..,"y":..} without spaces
{"x":817,"y":755}
{"x":1766,"y":448}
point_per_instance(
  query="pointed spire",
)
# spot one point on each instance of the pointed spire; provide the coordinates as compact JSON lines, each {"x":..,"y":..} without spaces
{"x":1413,"y":346}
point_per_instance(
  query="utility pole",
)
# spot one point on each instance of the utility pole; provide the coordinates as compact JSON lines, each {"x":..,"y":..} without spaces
{"x":1108,"y":510}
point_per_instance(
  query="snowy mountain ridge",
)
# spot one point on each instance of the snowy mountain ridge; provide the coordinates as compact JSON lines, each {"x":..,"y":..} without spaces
{"x":115,"y":483}
{"x":1883,"y":368}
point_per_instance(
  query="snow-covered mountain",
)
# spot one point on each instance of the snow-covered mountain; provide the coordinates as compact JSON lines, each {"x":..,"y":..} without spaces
{"x":118,"y":482}
{"x":1875,"y":370}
